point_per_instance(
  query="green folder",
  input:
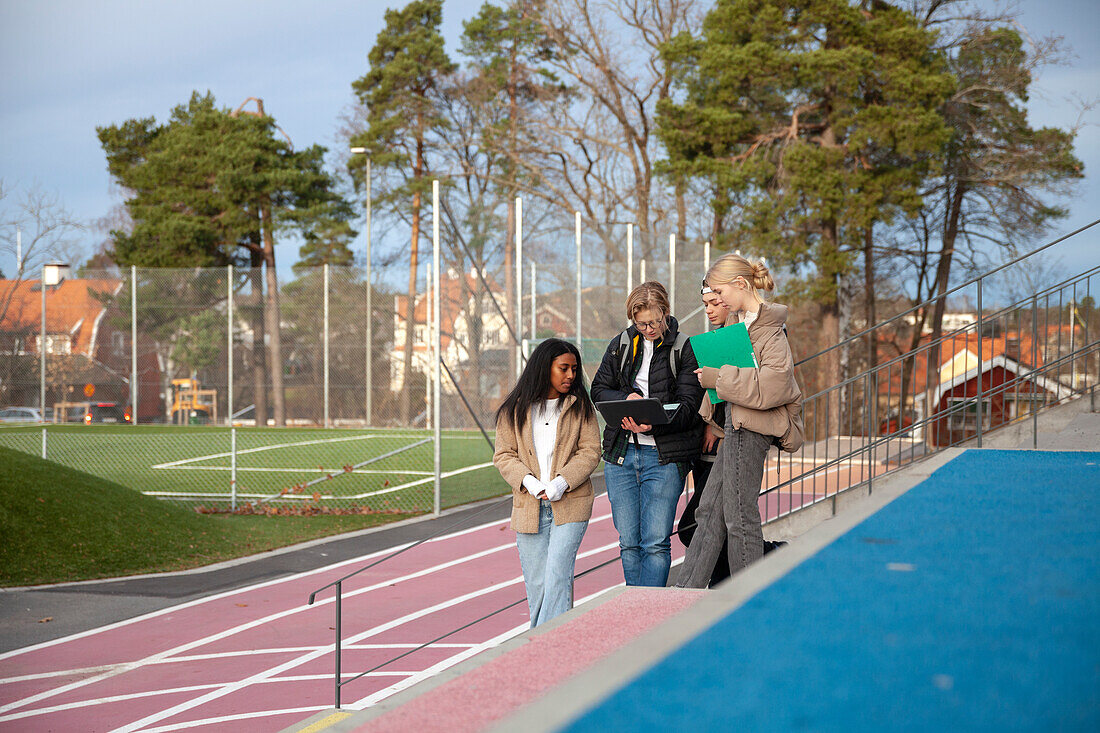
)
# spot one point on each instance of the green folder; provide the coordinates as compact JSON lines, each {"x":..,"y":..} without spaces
{"x":728,"y":345}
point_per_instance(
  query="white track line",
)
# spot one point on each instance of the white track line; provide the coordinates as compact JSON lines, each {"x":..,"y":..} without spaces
{"x":232,"y":718}
{"x":257,"y":586}
{"x":278,"y":669}
{"x":167,"y":655}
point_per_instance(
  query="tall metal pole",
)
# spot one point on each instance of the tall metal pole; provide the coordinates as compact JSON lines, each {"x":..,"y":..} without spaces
{"x":706,"y":266}
{"x":629,"y":258}
{"x":438,"y":348}
{"x":642,"y":271}
{"x":229,"y":346}
{"x":577,"y":240}
{"x":534,"y":295}
{"x":324,"y":269}
{"x":133,"y":347}
{"x":672,"y":272}
{"x":370,"y":311}
{"x":519,"y":286}
{"x":42,"y":351}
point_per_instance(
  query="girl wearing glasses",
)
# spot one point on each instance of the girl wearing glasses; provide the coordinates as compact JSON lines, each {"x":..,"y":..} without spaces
{"x":646,"y":464}
{"x":547,"y":446}
{"x":763,"y":408}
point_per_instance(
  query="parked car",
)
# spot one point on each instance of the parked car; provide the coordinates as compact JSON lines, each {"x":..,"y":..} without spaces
{"x":104,"y":412}
{"x":25,"y":414}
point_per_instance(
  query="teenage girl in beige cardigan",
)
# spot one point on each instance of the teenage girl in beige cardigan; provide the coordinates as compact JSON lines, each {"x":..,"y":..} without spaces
{"x":548,"y":444}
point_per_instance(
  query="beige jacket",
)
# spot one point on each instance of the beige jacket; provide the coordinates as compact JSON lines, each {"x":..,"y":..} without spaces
{"x":576,"y":455}
{"x":766,"y":400}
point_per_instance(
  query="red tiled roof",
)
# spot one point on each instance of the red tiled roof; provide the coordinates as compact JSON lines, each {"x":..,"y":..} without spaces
{"x":71,"y":307}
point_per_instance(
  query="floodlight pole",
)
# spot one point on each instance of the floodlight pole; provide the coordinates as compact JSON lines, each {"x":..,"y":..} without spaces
{"x":577,"y":240}
{"x":438,"y":343}
{"x":370,"y":325}
{"x":519,"y":286}
{"x":706,"y":267}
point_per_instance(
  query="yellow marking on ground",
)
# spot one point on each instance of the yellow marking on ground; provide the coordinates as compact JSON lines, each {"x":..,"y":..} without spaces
{"x":326,"y":722}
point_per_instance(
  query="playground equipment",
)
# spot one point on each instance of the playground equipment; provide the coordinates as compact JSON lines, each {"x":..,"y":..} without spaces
{"x":192,"y":405}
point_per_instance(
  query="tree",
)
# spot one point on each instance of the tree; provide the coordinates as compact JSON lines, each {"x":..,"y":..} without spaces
{"x":822,"y":115}
{"x":509,"y":50}
{"x":407,"y":65}
{"x":34,"y":228}
{"x":212,"y":187}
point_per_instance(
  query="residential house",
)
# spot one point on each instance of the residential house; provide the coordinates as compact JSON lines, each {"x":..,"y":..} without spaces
{"x":86,"y":352}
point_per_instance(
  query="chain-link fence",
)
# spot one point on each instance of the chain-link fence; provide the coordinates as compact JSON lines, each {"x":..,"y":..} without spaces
{"x":227,"y":387}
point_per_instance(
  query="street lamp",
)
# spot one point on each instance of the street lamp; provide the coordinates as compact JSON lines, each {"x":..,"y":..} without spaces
{"x":52,"y":275}
{"x":363,"y":151}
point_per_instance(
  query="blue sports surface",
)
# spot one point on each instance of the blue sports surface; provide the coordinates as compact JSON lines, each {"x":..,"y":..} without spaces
{"x":971,"y":602}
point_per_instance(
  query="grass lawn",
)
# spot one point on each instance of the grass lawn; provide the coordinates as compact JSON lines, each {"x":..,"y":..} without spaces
{"x":193,"y":464}
{"x":60,"y":524}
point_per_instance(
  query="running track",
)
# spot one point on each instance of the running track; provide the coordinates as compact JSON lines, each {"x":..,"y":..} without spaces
{"x":259,"y":659}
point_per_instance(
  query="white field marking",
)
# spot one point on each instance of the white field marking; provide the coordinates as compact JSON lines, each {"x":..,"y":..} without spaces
{"x":238,"y":716}
{"x":334,"y":471}
{"x":278,"y":669}
{"x":419,"y":482}
{"x":262,"y":448}
{"x":154,"y":658}
{"x":256,"y":586}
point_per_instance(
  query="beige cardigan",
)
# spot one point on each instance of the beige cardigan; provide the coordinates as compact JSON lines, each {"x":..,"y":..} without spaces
{"x":766,"y":400}
{"x":576,"y":455}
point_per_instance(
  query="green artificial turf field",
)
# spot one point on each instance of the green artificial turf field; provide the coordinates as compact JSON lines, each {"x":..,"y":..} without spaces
{"x":393,"y":469}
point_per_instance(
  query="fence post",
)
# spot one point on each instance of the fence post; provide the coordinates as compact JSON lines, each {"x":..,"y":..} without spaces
{"x":1034,"y":369}
{"x":233,"y":468}
{"x":519,"y":286}
{"x":706,"y":267}
{"x":672,"y":271}
{"x":577,"y":241}
{"x":630,"y":258}
{"x":534,"y":296}
{"x":438,"y":340}
{"x":44,"y":453}
{"x":134,"y":391}
{"x":229,"y":345}
{"x":325,"y":331}
{"x":980,"y":359}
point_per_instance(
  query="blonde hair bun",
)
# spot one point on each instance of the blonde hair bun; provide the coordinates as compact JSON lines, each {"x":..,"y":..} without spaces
{"x":761,"y":277}
{"x":730,"y":266}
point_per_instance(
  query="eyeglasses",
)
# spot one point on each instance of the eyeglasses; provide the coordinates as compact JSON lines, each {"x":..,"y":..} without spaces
{"x":647,"y":325}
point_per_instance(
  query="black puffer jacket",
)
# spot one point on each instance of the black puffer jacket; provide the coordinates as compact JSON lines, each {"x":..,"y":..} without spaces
{"x":678,"y":441}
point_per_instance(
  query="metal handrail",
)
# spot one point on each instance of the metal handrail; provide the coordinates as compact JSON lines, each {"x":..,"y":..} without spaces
{"x":872,"y":445}
{"x":956,"y":333}
{"x":855,"y":337}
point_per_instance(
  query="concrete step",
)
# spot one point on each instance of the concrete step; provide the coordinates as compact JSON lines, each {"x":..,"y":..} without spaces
{"x":488,"y":688}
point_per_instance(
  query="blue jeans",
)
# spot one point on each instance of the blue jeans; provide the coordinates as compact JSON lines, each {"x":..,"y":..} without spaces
{"x":643,"y":496}
{"x":547,"y":559}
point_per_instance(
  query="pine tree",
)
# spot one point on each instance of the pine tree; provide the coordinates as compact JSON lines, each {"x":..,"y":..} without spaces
{"x":821,"y":116}
{"x":407,"y":65}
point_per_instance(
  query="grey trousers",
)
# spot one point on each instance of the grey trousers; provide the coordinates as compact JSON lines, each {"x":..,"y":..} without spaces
{"x":728,"y":511}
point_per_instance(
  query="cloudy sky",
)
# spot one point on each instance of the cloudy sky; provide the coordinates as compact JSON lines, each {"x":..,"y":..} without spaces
{"x":69,"y":66}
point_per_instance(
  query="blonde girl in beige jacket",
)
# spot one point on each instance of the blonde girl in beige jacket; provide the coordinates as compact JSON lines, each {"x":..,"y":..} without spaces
{"x":763,"y":408}
{"x":548,"y":444}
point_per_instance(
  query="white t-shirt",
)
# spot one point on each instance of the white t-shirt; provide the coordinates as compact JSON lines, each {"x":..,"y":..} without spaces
{"x":544,"y":430}
{"x":747,"y":317}
{"x":642,"y":382}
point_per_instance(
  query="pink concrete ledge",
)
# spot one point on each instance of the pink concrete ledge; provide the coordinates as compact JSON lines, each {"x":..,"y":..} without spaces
{"x":500,"y":687}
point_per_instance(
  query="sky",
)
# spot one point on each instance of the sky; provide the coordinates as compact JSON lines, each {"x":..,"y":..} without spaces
{"x":69,"y":66}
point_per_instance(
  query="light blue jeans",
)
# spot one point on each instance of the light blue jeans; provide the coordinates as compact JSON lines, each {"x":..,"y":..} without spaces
{"x":548,"y":559}
{"x":643,"y":496}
